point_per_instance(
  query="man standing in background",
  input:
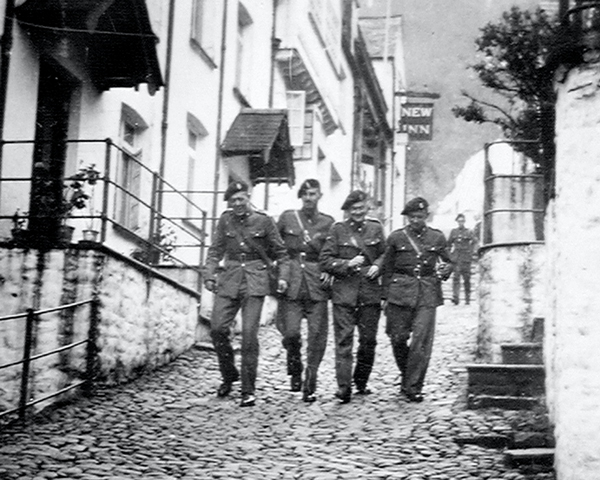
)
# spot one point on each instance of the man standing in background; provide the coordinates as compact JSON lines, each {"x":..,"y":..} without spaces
{"x":461,"y":244}
{"x":303,"y":232}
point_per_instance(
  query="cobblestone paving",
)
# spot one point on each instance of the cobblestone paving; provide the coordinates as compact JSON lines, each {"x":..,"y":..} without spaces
{"x":170,"y":425}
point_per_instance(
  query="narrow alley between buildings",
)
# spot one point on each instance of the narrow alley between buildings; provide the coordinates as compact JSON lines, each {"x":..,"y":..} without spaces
{"x":170,"y":425}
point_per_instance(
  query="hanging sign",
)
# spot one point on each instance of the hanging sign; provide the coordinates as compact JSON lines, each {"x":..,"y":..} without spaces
{"x":416,"y":119}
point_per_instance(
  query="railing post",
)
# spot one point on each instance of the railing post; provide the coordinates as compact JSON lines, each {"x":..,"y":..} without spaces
{"x":26,"y":362}
{"x":154,"y":224}
{"x":105,"y":192}
{"x":91,"y":354}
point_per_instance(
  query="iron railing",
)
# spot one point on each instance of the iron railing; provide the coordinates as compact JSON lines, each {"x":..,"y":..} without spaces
{"x":513,"y":210}
{"x":31,"y":316}
{"x":135,"y":207}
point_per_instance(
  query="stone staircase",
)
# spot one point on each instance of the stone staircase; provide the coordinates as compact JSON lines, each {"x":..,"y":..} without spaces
{"x":518,"y":383}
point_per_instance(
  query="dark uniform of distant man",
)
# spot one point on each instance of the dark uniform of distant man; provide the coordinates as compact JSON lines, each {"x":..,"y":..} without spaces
{"x":247,"y":240}
{"x":303,"y":232}
{"x":461,"y":243}
{"x":413,"y":291}
{"x":353,"y":254}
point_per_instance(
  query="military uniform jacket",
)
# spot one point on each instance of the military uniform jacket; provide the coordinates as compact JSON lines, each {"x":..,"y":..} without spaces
{"x":304,"y":250}
{"x":241,"y":260}
{"x":461,"y":242}
{"x":350,"y":286}
{"x":409,"y":277}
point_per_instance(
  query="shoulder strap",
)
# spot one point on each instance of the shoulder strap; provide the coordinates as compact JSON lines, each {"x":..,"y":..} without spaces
{"x":250,"y":241}
{"x":412,"y":242}
{"x":360,"y":244}
{"x":305,"y":233}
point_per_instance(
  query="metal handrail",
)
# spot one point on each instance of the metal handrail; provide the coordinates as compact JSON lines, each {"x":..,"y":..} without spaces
{"x":31,"y":315}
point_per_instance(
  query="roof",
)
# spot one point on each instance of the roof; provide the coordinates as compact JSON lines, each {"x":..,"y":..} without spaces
{"x":253,"y":131}
{"x":112,"y":41}
{"x":264,"y":136}
{"x":373,"y":29}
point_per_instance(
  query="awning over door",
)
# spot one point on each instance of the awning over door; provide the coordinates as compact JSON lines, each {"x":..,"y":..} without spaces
{"x":263,"y":136}
{"x":109,"y":41}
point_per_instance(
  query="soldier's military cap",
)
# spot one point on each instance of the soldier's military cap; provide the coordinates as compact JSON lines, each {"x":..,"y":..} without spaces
{"x":417,"y":204}
{"x":459,"y":216}
{"x":306,"y":184}
{"x":354,"y":197}
{"x":233,"y":188}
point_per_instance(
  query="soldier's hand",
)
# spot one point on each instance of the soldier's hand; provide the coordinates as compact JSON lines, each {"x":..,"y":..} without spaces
{"x":372,"y":272}
{"x":210,"y":285}
{"x":326,"y":280}
{"x":282,"y":286}
{"x":356,"y":261}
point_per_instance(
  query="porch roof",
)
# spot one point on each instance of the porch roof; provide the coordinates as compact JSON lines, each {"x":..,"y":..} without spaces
{"x":109,"y":41}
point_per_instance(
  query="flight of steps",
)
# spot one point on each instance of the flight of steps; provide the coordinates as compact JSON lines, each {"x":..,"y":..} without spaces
{"x":518,"y":383}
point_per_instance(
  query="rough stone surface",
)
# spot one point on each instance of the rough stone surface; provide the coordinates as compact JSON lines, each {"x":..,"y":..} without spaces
{"x":511,"y":292}
{"x":144,"y":321}
{"x":573,"y":329}
{"x":169,"y":424}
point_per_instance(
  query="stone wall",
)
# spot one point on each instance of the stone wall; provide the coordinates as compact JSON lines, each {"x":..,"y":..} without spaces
{"x":145,"y":320}
{"x":573,"y":342}
{"x":510,"y":297}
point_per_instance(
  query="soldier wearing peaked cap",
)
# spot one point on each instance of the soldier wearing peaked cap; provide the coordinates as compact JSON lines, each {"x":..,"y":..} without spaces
{"x":461,"y":243}
{"x":248,"y":242}
{"x":412,"y":288}
{"x":353,"y":254}
{"x":304,"y":232}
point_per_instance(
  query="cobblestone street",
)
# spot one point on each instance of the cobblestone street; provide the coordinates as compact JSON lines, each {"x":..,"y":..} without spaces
{"x":170,"y":425}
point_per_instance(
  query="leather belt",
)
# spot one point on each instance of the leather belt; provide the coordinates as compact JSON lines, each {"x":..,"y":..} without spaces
{"x":306,"y":257}
{"x":416,"y":272}
{"x":243,"y":257}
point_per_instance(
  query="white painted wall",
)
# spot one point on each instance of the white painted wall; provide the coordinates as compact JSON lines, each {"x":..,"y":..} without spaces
{"x":573,"y":356}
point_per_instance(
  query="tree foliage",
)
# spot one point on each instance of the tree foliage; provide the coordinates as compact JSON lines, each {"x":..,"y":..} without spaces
{"x":514,"y":64}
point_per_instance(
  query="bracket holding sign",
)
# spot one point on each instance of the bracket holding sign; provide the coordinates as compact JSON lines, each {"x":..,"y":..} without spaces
{"x":416,"y":119}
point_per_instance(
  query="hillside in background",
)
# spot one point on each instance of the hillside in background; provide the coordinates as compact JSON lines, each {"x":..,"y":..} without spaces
{"x":439,"y":44}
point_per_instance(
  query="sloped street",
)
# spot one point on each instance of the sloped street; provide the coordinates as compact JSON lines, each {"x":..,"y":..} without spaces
{"x":170,"y":425}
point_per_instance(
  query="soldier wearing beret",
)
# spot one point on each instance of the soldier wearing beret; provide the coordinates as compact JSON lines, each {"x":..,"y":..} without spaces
{"x":461,"y":243}
{"x":416,"y":261}
{"x":353,"y":254}
{"x":304,"y":232}
{"x":247,"y":241}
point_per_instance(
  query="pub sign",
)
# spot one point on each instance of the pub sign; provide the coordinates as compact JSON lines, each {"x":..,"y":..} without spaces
{"x":416,"y":119}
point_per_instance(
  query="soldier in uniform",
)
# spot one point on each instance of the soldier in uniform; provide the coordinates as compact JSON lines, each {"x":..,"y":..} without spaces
{"x":248,"y":240}
{"x":461,"y":243}
{"x":353,"y":254}
{"x":412,"y":282}
{"x":304,"y":232}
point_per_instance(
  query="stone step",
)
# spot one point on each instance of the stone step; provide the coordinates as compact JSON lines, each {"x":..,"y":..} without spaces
{"x":530,"y":457}
{"x":506,"y":380}
{"x":504,"y":402}
{"x":537,"y":332}
{"x":522,"y":353}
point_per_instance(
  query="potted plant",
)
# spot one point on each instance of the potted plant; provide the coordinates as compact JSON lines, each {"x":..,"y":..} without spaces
{"x":75,"y":197}
{"x":19,"y":231}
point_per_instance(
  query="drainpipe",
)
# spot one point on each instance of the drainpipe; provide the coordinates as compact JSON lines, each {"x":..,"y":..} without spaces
{"x":219,"y":118}
{"x":166,"y":95}
{"x":5,"y":50}
{"x":274,"y":45}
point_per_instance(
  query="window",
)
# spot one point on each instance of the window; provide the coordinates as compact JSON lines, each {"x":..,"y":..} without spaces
{"x":129,"y":169}
{"x":243,"y":71}
{"x":196,"y":133}
{"x":205,"y":15}
{"x":296,"y":101}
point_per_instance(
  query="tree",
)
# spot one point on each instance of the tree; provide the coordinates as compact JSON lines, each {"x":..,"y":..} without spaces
{"x":515,"y":64}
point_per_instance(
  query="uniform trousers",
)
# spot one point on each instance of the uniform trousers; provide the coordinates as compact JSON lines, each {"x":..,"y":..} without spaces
{"x":412,"y":358}
{"x":461,"y":269}
{"x":223,"y":317}
{"x":366,"y":319}
{"x":290,"y":315}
